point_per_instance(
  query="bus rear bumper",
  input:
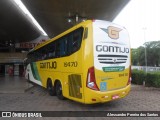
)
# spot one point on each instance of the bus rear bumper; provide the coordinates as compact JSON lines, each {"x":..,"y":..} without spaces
{"x":101,"y":97}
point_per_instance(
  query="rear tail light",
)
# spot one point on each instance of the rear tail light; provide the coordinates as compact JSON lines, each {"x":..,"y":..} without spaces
{"x":91,"y":80}
{"x":129,"y":77}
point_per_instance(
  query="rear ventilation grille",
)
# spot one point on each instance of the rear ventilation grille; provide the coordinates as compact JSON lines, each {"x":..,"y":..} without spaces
{"x":112,"y":59}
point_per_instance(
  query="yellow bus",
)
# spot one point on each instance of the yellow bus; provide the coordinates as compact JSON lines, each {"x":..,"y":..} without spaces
{"x":89,"y":63}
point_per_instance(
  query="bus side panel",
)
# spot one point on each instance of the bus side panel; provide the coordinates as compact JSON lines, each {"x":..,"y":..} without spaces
{"x":88,"y":59}
{"x":68,"y":70}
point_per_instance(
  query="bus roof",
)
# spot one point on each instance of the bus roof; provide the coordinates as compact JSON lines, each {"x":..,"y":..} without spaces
{"x":62,"y":34}
{"x":66,"y":32}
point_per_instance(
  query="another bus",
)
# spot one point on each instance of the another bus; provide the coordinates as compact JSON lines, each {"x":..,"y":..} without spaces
{"x":89,"y":63}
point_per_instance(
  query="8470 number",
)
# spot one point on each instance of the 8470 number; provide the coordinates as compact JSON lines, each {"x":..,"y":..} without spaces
{"x":71,"y":64}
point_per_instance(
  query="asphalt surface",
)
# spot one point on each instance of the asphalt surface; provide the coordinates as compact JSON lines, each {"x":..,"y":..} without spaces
{"x":37,"y":99}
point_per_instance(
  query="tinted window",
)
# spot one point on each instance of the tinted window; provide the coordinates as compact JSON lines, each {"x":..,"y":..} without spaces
{"x":63,"y":46}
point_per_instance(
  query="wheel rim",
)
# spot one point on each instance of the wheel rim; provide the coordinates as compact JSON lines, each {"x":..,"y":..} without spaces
{"x":49,"y":86}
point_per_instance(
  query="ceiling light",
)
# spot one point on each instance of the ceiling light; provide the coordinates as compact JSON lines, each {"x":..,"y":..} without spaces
{"x":69,"y":20}
{"x":28,"y":14}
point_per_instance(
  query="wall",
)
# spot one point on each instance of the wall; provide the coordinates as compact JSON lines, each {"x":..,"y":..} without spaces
{"x":12,"y":57}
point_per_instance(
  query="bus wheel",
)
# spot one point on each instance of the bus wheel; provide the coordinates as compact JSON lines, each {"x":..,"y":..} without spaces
{"x":50,"y":88}
{"x":59,"y":91}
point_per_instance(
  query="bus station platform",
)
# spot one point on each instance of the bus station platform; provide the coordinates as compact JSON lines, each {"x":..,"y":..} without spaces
{"x":13,"y":84}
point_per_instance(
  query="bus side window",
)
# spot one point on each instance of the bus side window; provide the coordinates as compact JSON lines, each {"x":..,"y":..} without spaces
{"x":44,"y":53}
{"x":52,"y":50}
{"x":69,"y":43}
{"x":63,"y":46}
{"x":49,"y":51}
{"x":66,"y":45}
{"x":77,"y":37}
{"x":75,"y":41}
{"x":57,"y":49}
{"x":39,"y":55}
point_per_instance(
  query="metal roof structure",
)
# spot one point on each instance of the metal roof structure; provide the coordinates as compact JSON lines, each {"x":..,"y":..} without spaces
{"x":52,"y":15}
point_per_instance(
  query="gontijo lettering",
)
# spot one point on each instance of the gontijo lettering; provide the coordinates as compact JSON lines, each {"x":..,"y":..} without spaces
{"x":105,"y":48}
{"x":49,"y":65}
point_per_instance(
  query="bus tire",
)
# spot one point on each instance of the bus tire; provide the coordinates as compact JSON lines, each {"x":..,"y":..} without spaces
{"x":59,"y":91}
{"x":50,"y":88}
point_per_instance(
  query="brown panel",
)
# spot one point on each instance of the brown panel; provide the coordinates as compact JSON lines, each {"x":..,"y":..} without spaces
{"x":75,"y":83}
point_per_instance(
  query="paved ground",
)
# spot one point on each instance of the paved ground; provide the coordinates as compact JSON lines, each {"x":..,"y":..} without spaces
{"x":37,"y":99}
{"x":13,"y":84}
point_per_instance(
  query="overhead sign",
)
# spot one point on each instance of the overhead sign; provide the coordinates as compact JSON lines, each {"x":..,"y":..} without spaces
{"x":33,"y":43}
